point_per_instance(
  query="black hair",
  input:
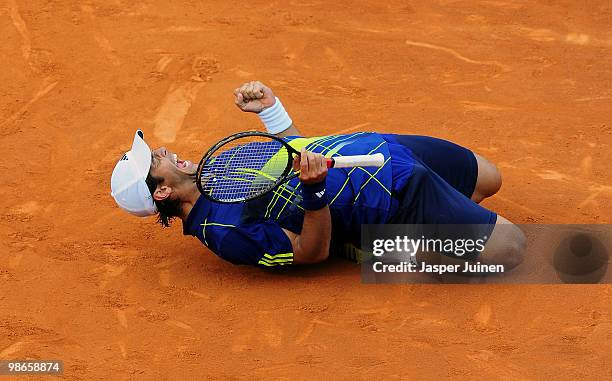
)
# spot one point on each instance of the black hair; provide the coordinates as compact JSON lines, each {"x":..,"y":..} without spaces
{"x":168,"y":209}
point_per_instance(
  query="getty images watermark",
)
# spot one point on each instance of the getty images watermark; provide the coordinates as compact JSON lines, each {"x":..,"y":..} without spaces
{"x":409,"y":247}
{"x":542,"y":254}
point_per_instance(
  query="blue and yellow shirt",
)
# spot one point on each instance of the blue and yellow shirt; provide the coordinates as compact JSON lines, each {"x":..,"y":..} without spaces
{"x":251,"y":232}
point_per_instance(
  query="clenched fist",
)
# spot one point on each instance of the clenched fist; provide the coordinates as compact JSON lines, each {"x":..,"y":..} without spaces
{"x":312,"y":167}
{"x":254,"y":97}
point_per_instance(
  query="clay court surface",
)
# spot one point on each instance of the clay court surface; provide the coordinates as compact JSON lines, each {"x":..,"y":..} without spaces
{"x":526,"y":84}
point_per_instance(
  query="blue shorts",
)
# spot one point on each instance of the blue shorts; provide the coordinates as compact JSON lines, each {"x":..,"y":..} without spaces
{"x":439,"y":189}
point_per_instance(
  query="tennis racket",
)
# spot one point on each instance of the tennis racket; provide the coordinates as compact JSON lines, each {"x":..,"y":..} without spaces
{"x":247,"y":165}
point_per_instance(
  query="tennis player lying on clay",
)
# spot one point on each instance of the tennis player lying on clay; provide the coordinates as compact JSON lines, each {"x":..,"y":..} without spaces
{"x":422,"y":180}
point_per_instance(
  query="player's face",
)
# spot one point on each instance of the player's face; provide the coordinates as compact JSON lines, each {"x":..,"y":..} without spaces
{"x":167,"y":164}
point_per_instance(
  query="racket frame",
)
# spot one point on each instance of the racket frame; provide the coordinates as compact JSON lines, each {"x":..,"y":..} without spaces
{"x":283,"y":178}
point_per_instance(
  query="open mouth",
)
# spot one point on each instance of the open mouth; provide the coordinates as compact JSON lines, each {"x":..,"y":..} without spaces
{"x":181,"y":164}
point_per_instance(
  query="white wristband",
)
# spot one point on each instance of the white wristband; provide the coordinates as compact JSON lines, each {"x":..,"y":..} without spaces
{"x":275,"y":118}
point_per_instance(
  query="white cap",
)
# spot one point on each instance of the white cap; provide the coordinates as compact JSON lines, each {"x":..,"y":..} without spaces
{"x":128,"y":186}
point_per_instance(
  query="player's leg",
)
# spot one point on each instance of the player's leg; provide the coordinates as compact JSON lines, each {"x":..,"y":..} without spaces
{"x":506,"y":246}
{"x":489,"y":179}
{"x":469,"y":173}
{"x":429,"y":200}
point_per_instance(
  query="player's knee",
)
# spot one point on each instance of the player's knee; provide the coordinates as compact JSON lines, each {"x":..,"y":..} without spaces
{"x":517,"y":251}
{"x":506,"y":246}
{"x":515,"y":243}
{"x":495,"y":182}
{"x":489,"y":179}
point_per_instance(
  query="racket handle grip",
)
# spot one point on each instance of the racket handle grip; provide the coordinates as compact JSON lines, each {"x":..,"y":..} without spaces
{"x":376,"y":160}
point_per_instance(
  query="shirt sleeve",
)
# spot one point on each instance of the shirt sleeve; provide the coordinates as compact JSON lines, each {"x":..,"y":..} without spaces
{"x":262,"y":244}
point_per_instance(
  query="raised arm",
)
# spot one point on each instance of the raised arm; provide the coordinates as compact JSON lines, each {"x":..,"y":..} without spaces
{"x":258,"y":98}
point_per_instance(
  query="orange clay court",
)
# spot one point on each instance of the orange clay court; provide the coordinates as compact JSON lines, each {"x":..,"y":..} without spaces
{"x":528,"y":84}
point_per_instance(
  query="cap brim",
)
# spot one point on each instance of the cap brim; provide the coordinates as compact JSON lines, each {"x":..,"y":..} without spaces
{"x":141,"y":154}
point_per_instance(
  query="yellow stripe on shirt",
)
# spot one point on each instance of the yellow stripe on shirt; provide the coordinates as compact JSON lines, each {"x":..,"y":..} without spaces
{"x":276,"y":260}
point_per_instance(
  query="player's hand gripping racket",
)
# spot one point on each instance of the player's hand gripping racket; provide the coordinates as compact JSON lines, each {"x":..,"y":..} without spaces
{"x":248,"y":165}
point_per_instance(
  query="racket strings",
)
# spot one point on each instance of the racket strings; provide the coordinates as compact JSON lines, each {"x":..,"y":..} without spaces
{"x":244,"y":168}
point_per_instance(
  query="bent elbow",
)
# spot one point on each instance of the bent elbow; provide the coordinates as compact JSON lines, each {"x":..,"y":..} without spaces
{"x":322,"y":256}
{"x":312,"y":257}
